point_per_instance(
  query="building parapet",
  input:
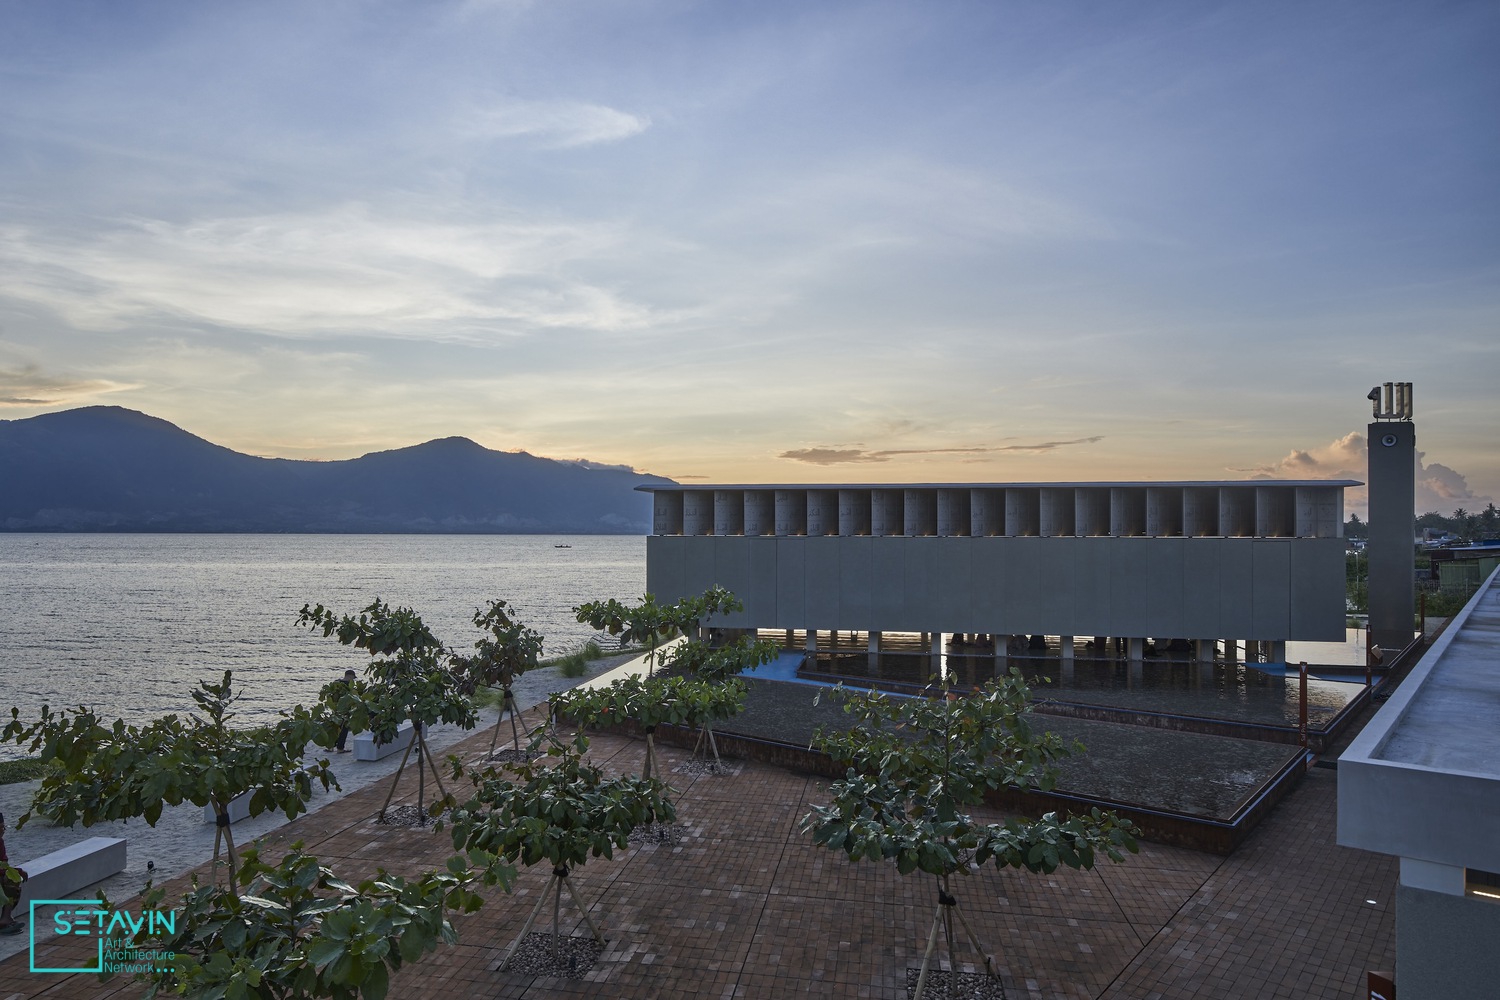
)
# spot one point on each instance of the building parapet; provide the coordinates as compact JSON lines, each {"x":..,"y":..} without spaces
{"x":1225,"y":509}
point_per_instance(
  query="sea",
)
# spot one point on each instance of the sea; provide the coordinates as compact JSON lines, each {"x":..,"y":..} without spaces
{"x":129,"y":624}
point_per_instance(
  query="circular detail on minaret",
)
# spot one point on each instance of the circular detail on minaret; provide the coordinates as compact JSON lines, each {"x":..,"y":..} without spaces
{"x":1389,"y":440}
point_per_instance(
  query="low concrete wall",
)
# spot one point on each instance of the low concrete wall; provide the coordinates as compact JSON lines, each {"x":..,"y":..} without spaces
{"x":70,"y":869}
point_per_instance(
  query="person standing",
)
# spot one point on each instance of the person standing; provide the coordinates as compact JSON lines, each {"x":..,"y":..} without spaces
{"x":11,"y":878}
{"x":340,"y":744}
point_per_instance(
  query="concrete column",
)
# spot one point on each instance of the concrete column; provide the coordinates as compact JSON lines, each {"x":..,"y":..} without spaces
{"x":1231,"y":650}
{"x":952,"y":512}
{"x":1276,"y":653}
{"x":1319,"y":512}
{"x":887,"y":512}
{"x":1237,"y":511}
{"x":1137,"y":650}
{"x":666,"y":513}
{"x":1055,"y":512}
{"x":1163,"y":511}
{"x":921,"y":513}
{"x":1275,"y":513}
{"x":791,"y":512}
{"x":1392,"y":560}
{"x":729,"y":512}
{"x":1066,"y":668}
{"x":986,"y":513}
{"x":697,"y":512}
{"x":1127,"y":511}
{"x":1203,"y":650}
{"x":1023,"y":514}
{"x":812,"y":639}
{"x":760,"y":512}
{"x":854,"y":512}
{"x":1200,"y":511}
{"x":873,"y":648}
{"x":822,"y":512}
{"x":1002,"y":653}
{"x":1090,"y":512}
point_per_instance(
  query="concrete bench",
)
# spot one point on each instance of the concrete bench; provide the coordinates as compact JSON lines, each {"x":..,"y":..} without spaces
{"x":239,"y":806}
{"x":365,"y":747}
{"x":64,"y":872}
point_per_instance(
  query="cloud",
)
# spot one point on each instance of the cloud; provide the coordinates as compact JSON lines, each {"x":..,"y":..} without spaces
{"x":1343,"y":458}
{"x":550,"y":124}
{"x":840,"y":456}
{"x":27,"y":386}
{"x":1444,"y":490}
{"x":346,"y":269}
{"x":1438,"y":487}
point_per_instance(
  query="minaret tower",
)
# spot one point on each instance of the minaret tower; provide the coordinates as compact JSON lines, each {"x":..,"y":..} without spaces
{"x":1392,"y":444}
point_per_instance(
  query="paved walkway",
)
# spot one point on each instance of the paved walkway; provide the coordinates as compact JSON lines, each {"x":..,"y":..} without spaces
{"x":745,"y":906}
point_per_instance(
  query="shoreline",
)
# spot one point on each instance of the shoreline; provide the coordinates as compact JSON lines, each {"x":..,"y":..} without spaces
{"x":181,"y":840}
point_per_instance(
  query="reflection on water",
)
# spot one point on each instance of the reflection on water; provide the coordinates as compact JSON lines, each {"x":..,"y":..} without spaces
{"x":1167,"y":681}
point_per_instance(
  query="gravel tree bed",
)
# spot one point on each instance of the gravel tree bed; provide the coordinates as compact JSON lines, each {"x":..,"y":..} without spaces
{"x":513,"y":756}
{"x":658,"y":833}
{"x":575,"y":956}
{"x":701,"y":767}
{"x":404,"y":816}
{"x":969,"y":986}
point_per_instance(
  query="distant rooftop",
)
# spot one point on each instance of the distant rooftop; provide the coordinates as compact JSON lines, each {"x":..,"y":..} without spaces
{"x":1423,"y":778}
{"x":1175,"y":484}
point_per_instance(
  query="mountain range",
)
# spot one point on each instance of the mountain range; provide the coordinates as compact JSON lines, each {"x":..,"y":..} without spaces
{"x":106,"y":468}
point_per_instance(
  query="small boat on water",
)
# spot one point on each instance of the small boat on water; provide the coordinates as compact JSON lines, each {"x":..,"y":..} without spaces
{"x":562,"y":546}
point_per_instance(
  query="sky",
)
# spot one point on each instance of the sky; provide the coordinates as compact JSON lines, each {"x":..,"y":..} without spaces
{"x":766,"y":242}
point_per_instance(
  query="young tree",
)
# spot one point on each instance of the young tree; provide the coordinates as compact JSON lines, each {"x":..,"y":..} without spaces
{"x":506,"y":653}
{"x":720,"y":665}
{"x":298,"y":930}
{"x":410,"y":679}
{"x":557,"y":809}
{"x":648,"y":623}
{"x":916,"y":768}
{"x":121,"y":772}
{"x":653,"y":701}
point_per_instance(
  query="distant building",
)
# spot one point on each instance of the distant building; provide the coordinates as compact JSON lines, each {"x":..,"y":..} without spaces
{"x":1260,"y":561}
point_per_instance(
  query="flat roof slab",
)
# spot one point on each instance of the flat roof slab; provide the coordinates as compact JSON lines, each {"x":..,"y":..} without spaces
{"x":1423,"y":779}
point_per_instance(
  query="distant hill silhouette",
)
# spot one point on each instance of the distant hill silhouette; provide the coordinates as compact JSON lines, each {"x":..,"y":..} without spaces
{"x":106,"y":468}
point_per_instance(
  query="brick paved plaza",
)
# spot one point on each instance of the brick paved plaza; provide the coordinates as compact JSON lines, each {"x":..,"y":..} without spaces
{"x":745,"y":906}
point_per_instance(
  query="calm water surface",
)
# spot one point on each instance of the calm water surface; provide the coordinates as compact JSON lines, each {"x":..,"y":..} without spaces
{"x":130,"y":623}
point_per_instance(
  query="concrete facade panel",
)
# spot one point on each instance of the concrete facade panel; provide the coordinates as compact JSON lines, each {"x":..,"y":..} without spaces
{"x":1445,"y":945}
{"x":887,"y":581}
{"x":1054,"y":583}
{"x":1025,"y":603}
{"x":1236,"y":588}
{"x":823,"y":582}
{"x":923,"y":611}
{"x":1317,"y":584}
{"x":1195,"y":588}
{"x":955,"y":581}
{"x":856,"y":580}
{"x":1127,"y":590}
{"x":759,"y":591}
{"x":1092,"y":585}
{"x":701,"y":570}
{"x":791,"y":605}
{"x":1200,"y":591}
{"x":732,"y":563}
{"x":1166,"y":565}
{"x":666,"y":566}
{"x":1270,"y":602}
